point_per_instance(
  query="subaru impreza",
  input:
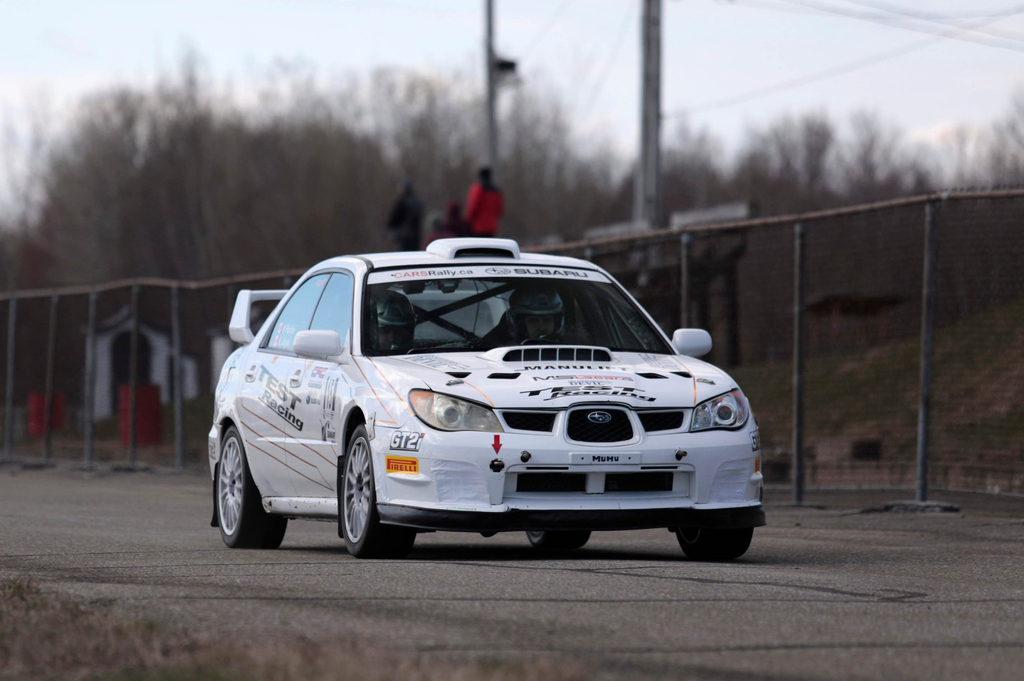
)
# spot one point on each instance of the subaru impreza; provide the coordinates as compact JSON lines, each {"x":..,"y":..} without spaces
{"x":474,"y":388}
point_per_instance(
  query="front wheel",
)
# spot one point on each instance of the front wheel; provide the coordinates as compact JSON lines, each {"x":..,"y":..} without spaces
{"x":703,"y":544}
{"x":558,"y":540}
{"x":243,"y":522}
{"x":365,"y":535}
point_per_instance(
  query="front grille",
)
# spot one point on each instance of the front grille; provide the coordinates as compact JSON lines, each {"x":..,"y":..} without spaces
{"x":551,"y":482}
{"x":540,"y":421}
{"x":638,"y":482}
{"x":661,"y":420}
{"x":582,"y":429}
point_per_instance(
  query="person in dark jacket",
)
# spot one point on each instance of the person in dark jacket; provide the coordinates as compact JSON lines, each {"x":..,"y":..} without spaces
{"x":454,"y":224}
{"x":406,"y":219}
{"x":484,"y":205}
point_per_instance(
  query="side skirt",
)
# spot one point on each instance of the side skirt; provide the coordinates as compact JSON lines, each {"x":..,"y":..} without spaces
{"x":312,"y":508}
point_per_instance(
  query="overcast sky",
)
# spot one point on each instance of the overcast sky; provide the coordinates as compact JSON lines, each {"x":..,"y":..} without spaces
{"x":713,"y":50}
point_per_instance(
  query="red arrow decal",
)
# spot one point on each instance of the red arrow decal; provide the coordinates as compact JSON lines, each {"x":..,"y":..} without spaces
{"x":497,"y":444}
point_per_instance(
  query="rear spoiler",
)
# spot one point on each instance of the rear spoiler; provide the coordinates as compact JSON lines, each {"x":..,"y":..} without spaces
{"x":238,"y":328}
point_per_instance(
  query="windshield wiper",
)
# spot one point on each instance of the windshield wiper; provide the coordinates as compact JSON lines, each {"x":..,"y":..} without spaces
{"x":440,"y":348}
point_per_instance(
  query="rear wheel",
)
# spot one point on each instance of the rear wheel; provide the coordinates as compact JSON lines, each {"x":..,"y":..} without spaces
{"x":365,"y":535}
{"x":243,"y":522}
{"x":703,"y":544}
{"x":558,"y":540}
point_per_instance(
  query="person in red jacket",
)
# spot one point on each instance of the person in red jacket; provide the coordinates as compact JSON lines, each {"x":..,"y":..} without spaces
{"x":484,"y":205}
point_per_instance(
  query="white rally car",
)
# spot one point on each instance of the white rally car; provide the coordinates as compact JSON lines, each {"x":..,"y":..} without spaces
{"x":474,"y":388}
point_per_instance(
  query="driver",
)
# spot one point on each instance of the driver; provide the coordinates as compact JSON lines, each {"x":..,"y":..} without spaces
{"x":396,"y":322}
{"x":536,"y":313}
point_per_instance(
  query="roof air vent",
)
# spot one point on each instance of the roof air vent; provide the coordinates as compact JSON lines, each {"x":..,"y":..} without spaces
{"x":450,"y":249}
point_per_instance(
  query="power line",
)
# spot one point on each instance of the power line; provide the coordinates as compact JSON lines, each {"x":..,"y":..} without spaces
{"x":962,"y":35}
{"x":794,"y":83}
{"x":936,"y":18}
{"x":1000,"y":13}
{"x":603,"y":78}
{"x":545,"y":28}
{"x":825,"y":74}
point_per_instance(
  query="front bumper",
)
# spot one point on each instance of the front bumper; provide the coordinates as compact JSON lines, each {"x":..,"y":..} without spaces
{"x":617,"y":519}
{"x":454,"y":472}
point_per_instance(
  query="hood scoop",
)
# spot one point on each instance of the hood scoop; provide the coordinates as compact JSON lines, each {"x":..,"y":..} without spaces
{"x":458,"y":374}
{"x":558,"y":353}
{"x":650,"y":375}
{"x":684,"y":374}
{"x":505,"y":376}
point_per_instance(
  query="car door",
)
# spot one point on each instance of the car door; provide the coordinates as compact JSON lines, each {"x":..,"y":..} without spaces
{"x":271,"y":421}
{"x":324,"y":389}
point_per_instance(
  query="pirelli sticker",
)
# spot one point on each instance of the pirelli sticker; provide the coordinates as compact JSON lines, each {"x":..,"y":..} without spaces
{"x":401,"y":464}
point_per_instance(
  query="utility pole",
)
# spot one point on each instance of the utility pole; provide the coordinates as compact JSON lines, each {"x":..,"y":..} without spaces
{"x":492,"y":126}
{"x":647,"y":184}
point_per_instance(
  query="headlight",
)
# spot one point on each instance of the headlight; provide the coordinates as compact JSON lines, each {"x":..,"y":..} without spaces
{"x":725,"y":411}
{"x":450,"y":413}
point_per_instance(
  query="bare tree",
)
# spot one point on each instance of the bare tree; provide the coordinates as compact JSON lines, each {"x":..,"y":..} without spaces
{"x":180,"y":180}
{"x":876,"y":165}
{"x":692,"y":170}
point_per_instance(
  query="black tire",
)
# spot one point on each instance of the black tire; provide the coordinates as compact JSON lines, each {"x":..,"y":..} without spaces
{"x":243,"y":523}
{"x":365,"y":535}
{"x":558,"y":540}
{"x":702,"y":544}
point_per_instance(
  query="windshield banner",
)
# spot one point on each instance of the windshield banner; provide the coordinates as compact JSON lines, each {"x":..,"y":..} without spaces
{"x":485,"y":272}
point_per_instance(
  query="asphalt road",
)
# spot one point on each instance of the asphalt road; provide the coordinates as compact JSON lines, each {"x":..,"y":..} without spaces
{"x":823,"y":593}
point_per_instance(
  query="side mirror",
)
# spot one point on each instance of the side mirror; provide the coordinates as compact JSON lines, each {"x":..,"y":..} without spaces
{"x":319,"y":345}
{"x":691,"y":342}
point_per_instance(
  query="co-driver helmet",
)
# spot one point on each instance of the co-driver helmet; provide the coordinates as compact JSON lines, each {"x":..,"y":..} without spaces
{"x":534,"y":300}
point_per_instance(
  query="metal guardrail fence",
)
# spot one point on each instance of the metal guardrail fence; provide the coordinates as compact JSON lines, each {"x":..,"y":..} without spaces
{"x":138,"y":350}
{"x":881,"y":345}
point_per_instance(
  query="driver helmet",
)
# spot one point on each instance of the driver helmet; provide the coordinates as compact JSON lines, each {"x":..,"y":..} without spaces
{"x":535,"y":302}
{"x":395,"y":321}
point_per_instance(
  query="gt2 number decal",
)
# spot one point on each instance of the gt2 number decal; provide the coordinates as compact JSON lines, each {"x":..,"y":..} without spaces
{"x":406,"y":441}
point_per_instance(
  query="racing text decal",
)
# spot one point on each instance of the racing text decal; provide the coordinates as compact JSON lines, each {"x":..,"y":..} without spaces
{"x":570,"y":367}
{"x":279,"y":399}
{"x":328,"y":432}
{"x":406,"y":441}
{"x":433,"y":361}
{"x":483,"y":272}
{"x":584,"y":379}
{"x":588,"y":391}
{"x":316,"y":376}
{"x":329,"y":397}
{"x":397,"y":464}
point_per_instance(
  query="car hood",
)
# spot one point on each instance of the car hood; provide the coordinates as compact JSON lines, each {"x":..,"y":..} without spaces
{"x":640,"y":380}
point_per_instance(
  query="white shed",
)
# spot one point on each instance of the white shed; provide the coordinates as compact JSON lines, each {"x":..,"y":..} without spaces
{"x":113,"y":363}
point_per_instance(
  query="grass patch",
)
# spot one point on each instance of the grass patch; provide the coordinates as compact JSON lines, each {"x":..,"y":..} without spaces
{"x":45,"y":635}
{"x":977,"y":393}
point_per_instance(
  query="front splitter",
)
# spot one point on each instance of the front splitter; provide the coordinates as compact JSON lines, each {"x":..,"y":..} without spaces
{"x":633,"y":519}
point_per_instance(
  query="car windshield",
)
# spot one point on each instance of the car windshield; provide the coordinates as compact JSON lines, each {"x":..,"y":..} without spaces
{"x":408,"y":311}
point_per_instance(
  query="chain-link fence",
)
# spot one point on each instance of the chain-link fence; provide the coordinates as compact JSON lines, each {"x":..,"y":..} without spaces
{"x":863,"y":348}
{"x":73,"y":355}
{"x":861,"y":271}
